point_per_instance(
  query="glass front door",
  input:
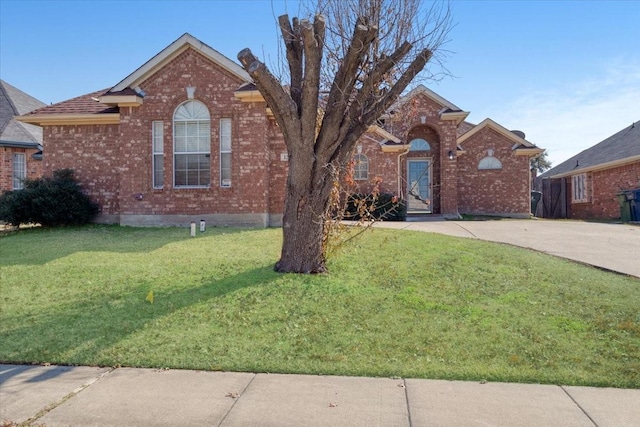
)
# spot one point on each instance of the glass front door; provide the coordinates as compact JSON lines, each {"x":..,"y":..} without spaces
{"x":419,"y":186}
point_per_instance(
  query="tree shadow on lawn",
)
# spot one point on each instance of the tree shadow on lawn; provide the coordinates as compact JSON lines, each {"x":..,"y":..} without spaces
{"x":38,"y":246}
{"x":77,"y":333}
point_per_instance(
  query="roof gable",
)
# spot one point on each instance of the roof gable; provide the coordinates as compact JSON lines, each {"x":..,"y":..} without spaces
{"x":174,"y":49}
{"x":619,"y":148}
{"x":14,"y":102}
{"x":421,"y":89}
{"x":490,"y":124}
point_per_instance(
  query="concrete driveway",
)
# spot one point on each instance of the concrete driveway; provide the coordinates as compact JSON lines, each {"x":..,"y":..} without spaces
{"x":614,"y":247}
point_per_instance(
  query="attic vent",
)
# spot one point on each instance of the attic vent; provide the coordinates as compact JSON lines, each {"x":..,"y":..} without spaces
{"x":518,"y":133}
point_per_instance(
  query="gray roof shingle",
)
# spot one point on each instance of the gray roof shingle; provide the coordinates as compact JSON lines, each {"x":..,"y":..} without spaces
{"x":14,"y":102}
{"x":620,"y":146}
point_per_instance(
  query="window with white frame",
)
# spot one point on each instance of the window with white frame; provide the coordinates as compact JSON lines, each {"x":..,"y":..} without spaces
{"x":19,"y":170}
{"x":225,"y":152}
{"x":361,"y":167}
{"x":419,"y":144}
{"x":579,"y":188}
{"x":157,"y":136}
{"x":489,"y":162}
{"x":191,"y":145}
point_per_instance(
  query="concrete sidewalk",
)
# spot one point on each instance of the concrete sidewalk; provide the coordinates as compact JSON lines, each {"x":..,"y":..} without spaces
{"x":84,"y":396}
{"x":614,"y":247}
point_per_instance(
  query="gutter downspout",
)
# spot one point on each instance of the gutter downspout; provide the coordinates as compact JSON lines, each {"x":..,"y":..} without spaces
{"x":400,"y":172}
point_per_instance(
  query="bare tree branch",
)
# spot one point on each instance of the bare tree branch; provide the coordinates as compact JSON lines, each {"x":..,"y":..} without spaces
{"x":291,"y":37}
{"x":273,"y":93}
{"x":312,"y":40}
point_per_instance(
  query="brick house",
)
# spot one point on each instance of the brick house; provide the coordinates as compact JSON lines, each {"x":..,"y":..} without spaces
{"x":20,"y":143}
{"x":187,"y":136}
{"x":586,"y":185}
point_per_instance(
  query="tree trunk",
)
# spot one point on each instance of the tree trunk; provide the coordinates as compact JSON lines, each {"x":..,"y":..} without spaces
{"x":302,"y":250}
{"x":303,"y":227}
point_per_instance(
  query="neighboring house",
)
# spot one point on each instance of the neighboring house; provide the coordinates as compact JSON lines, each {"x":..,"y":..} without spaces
{"x":20,"y":143}
{"x":586,"y":186}
{"x":187,"y":136}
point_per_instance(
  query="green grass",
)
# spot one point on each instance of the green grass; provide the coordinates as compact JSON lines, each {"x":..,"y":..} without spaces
{"x":395,"y":303}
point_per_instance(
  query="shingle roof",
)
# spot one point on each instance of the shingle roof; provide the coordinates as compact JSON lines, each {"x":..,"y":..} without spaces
{"x":622,"y":145}
{"x":463,"y":128}
{"x":14,"y":102}
{"x":83,"y":104}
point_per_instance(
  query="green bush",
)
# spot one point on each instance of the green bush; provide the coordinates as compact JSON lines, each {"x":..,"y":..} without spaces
{"x":383,"y":207}
{"x":48,"y":201}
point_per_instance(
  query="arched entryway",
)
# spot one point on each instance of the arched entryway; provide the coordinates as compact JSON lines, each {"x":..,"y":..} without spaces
{"x":421,"y":171}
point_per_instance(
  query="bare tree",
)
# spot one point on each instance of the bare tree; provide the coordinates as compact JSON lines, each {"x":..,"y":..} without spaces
{"x":540,"y":163}
{"x":344,"y":73}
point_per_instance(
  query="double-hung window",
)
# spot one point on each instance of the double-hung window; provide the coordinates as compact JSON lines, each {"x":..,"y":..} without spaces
{"x":19,"y":170}
{"x":192,"y":145}
{"x":158,"y":154}
{"x":225,"y":152}
{"x":361,"y":167}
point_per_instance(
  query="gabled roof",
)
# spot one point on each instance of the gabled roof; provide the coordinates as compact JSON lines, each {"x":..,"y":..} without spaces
{"x":173,"y":50}
{"x":449,"y":110}
{"x":421,"y":89}
{"x":620,"y":148}
{"x":518,"y":141}
{"x":14,"y":102}
{"x":82,"y":109}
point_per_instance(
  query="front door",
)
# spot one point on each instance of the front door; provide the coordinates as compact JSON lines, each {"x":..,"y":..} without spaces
{"x":419,"y":186}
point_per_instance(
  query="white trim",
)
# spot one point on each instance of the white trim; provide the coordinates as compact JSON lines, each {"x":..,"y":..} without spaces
{"x":154,"y":136}
{"x":457,"y":116}
{"x":365,"y":170}
{"x":122,"y":100}
{"x":23,"y":164}
{"x":421,"y":89}
{"x":383,"y":133}
{"x":71,"y":119}
{"x":188,"y":117}
{"x":173,"y":50}
{"x":498,"y":128}
{"x":226,"y":182}
{"x":598,"y":167}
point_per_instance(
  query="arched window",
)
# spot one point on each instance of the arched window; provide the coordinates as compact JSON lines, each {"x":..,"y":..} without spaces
{"x":489,"y":162}
{"x":419,"y":144}
{"x":191,"y":145}
{"x":361,"y":167}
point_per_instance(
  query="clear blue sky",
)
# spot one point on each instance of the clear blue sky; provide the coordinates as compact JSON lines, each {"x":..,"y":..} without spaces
{"x":567,"y":73}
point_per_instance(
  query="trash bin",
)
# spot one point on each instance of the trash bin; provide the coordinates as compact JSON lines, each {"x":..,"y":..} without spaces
{"x":624,"y":200}
{"x":634,"y":205}
{"x":535,"y":198}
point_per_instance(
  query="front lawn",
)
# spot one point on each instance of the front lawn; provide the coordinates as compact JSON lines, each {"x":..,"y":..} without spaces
{"x":395,"y":303}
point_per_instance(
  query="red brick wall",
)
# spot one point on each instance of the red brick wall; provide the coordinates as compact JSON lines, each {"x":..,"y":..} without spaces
{"x":278,"y":166}
{"x":34,"y":167}
{"x":602,"y":187}
{"x":382,"y":167}
{"x":92,"y":152}
{"x":503,"y":191}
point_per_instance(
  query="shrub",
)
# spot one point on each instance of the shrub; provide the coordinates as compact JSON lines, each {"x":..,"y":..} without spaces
{"x":54,"y":201}
{"x":384,"y":206}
